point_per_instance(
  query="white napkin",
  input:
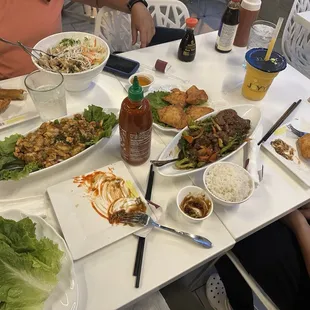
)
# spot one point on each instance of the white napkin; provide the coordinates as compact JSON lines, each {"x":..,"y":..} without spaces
{"x":253,"y":161}
{"x":34,"y":205}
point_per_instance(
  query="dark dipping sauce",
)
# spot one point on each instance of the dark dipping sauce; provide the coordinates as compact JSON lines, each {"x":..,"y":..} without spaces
{"x":196,"y":206}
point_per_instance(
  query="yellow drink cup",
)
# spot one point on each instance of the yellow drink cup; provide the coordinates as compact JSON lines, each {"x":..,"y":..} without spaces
{"x":260,"y":73}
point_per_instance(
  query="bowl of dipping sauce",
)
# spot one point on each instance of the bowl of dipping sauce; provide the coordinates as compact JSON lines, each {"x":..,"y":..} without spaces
{"x":228,"y":184}
{"x":194,"y":203}
{"x":145,"y":80}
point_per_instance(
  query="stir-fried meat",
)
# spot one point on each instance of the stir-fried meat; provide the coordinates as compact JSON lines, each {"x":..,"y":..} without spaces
{"x":56,"y":141}
{"x":206,"y":141}
{"x":173,"y":115}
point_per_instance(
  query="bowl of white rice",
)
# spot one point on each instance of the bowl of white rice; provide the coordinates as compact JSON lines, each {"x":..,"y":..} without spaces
{"x":228,"y":184}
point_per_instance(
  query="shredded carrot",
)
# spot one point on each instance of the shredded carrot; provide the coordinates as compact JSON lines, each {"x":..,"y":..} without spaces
{"x":189,"y":139}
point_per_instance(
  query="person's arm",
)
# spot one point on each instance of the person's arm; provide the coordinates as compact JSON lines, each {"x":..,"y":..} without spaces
{"x":297,"y":221}
{"x":141,"y":19}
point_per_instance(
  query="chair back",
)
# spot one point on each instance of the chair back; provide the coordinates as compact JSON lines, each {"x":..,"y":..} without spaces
{"x":296,"y":39}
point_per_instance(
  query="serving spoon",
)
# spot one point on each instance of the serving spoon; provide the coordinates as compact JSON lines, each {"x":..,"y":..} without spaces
{"x":160,"y":163}
{"x":27,"y":49}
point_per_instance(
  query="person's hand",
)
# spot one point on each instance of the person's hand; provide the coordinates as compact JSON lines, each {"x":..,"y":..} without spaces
{"x":142,"y":22}
{"x":296,"y":219}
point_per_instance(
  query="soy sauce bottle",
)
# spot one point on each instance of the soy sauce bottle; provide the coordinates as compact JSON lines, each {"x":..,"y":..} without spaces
{"x":229,"y":26}
{"x":187,"y":48}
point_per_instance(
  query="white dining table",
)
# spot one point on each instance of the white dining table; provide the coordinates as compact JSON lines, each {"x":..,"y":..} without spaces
{"x":105,"y":277}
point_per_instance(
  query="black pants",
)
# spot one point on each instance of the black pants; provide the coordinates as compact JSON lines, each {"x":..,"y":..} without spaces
{"x":273,"y":257}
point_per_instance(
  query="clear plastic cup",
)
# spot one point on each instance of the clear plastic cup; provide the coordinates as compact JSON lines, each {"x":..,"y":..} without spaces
{"x":260,"y":35}
{"x":48,"y":94}
{"x":260,"y":73}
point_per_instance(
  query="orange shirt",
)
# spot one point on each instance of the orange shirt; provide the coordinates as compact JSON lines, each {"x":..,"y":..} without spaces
{"x":27,"y":21}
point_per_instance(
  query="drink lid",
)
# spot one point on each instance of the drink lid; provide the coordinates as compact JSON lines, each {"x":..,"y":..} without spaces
{"x":251,"y":5}
{"x":135,"y":91}
{"x":191,"y":22}
{"x":255,"y":57}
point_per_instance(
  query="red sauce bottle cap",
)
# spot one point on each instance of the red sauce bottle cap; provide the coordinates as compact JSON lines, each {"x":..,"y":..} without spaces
{"x":191,"y":22}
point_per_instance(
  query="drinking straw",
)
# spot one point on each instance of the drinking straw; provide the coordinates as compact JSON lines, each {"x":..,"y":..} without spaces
{"x":274,"y":38}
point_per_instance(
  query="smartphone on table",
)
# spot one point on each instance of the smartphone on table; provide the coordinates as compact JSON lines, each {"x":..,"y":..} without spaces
{"x":121,"y":66}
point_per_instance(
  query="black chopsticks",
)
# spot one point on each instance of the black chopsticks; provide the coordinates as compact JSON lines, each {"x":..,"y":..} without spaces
{"x":141,"y":242}
{"x":279,"y":121}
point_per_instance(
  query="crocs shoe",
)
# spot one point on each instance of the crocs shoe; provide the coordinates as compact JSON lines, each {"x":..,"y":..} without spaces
{"x":216,"y":293}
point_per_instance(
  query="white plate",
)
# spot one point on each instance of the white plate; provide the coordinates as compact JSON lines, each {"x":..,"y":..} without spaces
{"x":101,"y":142}
{"x":84,"y":229}
{"x":65,"y":294}
{"x":171,"y":151}
{"x":299,"y":166}
{"x":168,"y":88}
{"x":18,"y":111}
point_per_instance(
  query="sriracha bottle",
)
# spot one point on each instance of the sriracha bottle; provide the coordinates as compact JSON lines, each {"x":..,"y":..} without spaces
{"x":135,"y":126}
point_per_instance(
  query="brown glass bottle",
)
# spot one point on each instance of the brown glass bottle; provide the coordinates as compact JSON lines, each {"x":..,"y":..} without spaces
{"x":228,"y":29}
{"x":187,"y":48}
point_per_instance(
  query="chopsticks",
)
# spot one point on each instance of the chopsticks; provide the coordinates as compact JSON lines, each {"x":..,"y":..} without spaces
{"x":279,"y":121}
{"x":141,"y":242}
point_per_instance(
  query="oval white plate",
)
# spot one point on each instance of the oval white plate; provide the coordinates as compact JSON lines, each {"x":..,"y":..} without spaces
{"x":171,"y":151}
{"x":65,"y":294}
{"x":102,"y":142}
{"x":168,"y":89}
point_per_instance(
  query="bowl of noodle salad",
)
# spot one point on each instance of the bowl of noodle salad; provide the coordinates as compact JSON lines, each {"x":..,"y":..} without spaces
{"x":79,"y":56}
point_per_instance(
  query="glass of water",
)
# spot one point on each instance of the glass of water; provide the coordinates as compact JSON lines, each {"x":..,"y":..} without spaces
{"x":48,"y":93}
{"x":261,"y":34}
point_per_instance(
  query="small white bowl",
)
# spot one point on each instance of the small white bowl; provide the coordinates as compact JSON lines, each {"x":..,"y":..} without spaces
{"x":224,"y":202}
{"x":73,"y":81}
{"x":147,"y":75}
{"x":193,"y":190}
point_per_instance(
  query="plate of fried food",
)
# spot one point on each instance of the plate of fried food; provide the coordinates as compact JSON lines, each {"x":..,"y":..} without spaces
{"x":174,"y":107}
{"x":291,"y":150}
{"x":15,"y":105}
{"x":56,"y":142}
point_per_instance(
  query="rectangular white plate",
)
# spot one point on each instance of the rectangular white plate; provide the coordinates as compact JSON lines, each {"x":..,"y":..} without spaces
{"x":300,"y":167}
{"x":19,"y":111}
{"x":84,"y":229}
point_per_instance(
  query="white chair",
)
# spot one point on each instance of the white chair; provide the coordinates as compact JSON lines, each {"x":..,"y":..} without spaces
{"x":296,"y":39}
{"x":115,"y":27}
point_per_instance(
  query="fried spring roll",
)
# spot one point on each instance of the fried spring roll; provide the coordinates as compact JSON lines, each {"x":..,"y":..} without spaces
{"x":4,"y":103}
{"x":13,"y":94}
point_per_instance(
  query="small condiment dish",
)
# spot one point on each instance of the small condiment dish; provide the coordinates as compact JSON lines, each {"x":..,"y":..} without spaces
{"x":221,"y":201}
{"x":143,"y":79}
{"x":194,"y":191}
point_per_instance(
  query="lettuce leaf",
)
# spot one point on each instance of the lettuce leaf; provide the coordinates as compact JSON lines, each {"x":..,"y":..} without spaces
{"x":28,"y":267}
{"x":156,"y":102}
{"x":106,"y":121}
{"x":18,"y":173}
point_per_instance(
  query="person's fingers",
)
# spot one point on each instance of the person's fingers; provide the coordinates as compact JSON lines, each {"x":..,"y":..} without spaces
{"x":134,"y":34}
{"x":143,"y":38}
{"x":306,"y":213}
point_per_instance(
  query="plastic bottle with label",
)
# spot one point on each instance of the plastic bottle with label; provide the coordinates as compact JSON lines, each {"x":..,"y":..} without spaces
{"x":135,"y":126}
{"x":248,"y":14}
{"x":187,"y":48}
{"x":228,"y":29}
